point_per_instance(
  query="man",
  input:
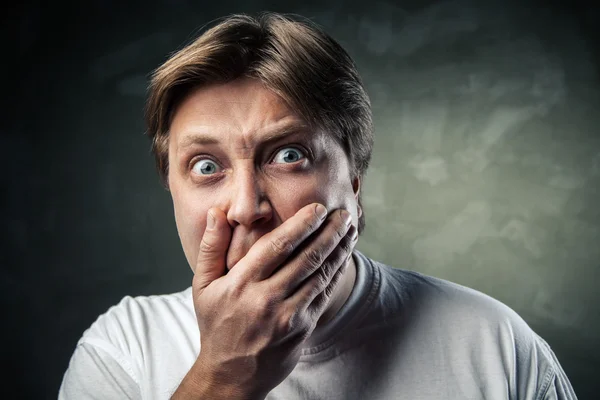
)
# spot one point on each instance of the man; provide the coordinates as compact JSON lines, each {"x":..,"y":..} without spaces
{"x":262,"y":133}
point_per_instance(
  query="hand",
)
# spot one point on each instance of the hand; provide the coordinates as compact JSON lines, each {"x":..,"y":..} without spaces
{"x":254,"y":320}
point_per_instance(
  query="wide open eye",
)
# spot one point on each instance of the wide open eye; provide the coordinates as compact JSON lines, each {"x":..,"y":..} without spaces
{"x":205,"y":167}
{"x":289,"y":155}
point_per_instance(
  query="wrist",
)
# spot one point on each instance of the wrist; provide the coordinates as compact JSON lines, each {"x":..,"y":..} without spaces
{"x":202,"y":383}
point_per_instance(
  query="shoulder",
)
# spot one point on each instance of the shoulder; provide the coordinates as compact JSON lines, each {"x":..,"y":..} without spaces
{"x":134,"y":318}
{"x":471,"y":325}
{"x":466,"y":318}
{"x":450,"y":300}
{"x":125,"y":344}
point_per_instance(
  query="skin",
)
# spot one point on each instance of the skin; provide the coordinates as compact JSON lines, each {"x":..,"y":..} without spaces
{"x":257,"y":184}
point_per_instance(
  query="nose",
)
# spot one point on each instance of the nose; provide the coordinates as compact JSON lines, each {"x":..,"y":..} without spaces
{"x":249,"y":204}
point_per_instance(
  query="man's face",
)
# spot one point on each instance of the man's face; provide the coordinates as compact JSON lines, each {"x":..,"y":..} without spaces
{"x":220,"y":156}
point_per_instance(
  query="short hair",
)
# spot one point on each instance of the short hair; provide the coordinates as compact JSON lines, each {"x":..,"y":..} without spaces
{"x":293,"y":57}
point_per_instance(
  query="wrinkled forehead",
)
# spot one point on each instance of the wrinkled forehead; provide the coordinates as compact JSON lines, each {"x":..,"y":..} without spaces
{"x":239,"y":110}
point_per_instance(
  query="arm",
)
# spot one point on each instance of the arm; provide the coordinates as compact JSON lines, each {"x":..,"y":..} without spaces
{"x":192,"y":387}
{"x":559,"y":387}
{"x":98,"y":368}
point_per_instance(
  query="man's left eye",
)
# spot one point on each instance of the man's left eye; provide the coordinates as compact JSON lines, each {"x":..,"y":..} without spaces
{"x":288,"y":155}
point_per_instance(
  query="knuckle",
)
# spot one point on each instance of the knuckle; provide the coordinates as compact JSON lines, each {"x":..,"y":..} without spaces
{"x":347,"y":246}
{"x":281,"y":245}
{"x":328,"y":268}
{"x":237,"y":287}
{"x":311,"y":223}
{"x":328,"y":291}
{"x":266,"y":303}
{"x":285,"y":323}
{"x":207,"y":247}
{"x":313,"y":257}
{"x":322,"y":281}
{"x":300,"y":322}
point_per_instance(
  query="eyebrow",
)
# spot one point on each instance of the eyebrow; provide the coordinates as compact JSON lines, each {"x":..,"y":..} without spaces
{"x":275,"y":134}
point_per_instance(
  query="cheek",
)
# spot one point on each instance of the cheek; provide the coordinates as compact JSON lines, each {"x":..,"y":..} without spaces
{"x":338,"y":190}
{"x":293,"y":195}
{"x":190,"y":218}
{"x":331,"y":192}
{"x":193,"y":223}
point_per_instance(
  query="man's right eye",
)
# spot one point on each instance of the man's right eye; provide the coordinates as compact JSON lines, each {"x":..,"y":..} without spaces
{"x":205,"y":167}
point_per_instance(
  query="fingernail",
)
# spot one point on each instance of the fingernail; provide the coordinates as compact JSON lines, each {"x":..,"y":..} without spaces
{"x":354,"y":233}
{"x":321,"y":211}
{"x":346,"y":217}
{"x":210,"y":221}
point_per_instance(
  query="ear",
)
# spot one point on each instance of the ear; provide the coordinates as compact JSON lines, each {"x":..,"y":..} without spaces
{"x":356,"y":190}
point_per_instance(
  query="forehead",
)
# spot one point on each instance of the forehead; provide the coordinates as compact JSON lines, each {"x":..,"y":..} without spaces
{"x":239,"y":98}
{"x":242,"y":110}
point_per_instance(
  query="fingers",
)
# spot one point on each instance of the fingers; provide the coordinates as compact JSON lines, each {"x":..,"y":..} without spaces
{"x":316,"y":291}
{"x":317,"y":304}
{"x":313,"y":255}
{"x":273,"y":249}
{"x":210,"y":264}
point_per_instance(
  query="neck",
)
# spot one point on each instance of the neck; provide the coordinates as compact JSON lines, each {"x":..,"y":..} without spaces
{"x":340,"y":296}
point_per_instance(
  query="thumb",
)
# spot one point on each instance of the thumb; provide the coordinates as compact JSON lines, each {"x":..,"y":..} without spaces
{"x":210,"y":263}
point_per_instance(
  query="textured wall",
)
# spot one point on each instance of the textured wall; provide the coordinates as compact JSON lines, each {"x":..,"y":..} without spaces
{"x":486,"y":168}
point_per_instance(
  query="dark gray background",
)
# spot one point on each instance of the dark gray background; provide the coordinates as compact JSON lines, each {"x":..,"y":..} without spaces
{"x":486,"y":167}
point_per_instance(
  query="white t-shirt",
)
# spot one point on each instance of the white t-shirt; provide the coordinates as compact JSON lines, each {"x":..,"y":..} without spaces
{"x":400,"y":335}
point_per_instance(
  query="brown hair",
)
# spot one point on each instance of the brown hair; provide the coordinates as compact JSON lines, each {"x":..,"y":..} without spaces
{"x":291,"y":56}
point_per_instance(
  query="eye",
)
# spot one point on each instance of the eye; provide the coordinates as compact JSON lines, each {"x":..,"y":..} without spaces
{"x":204,"y":167}
{"x":288,"y":155}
